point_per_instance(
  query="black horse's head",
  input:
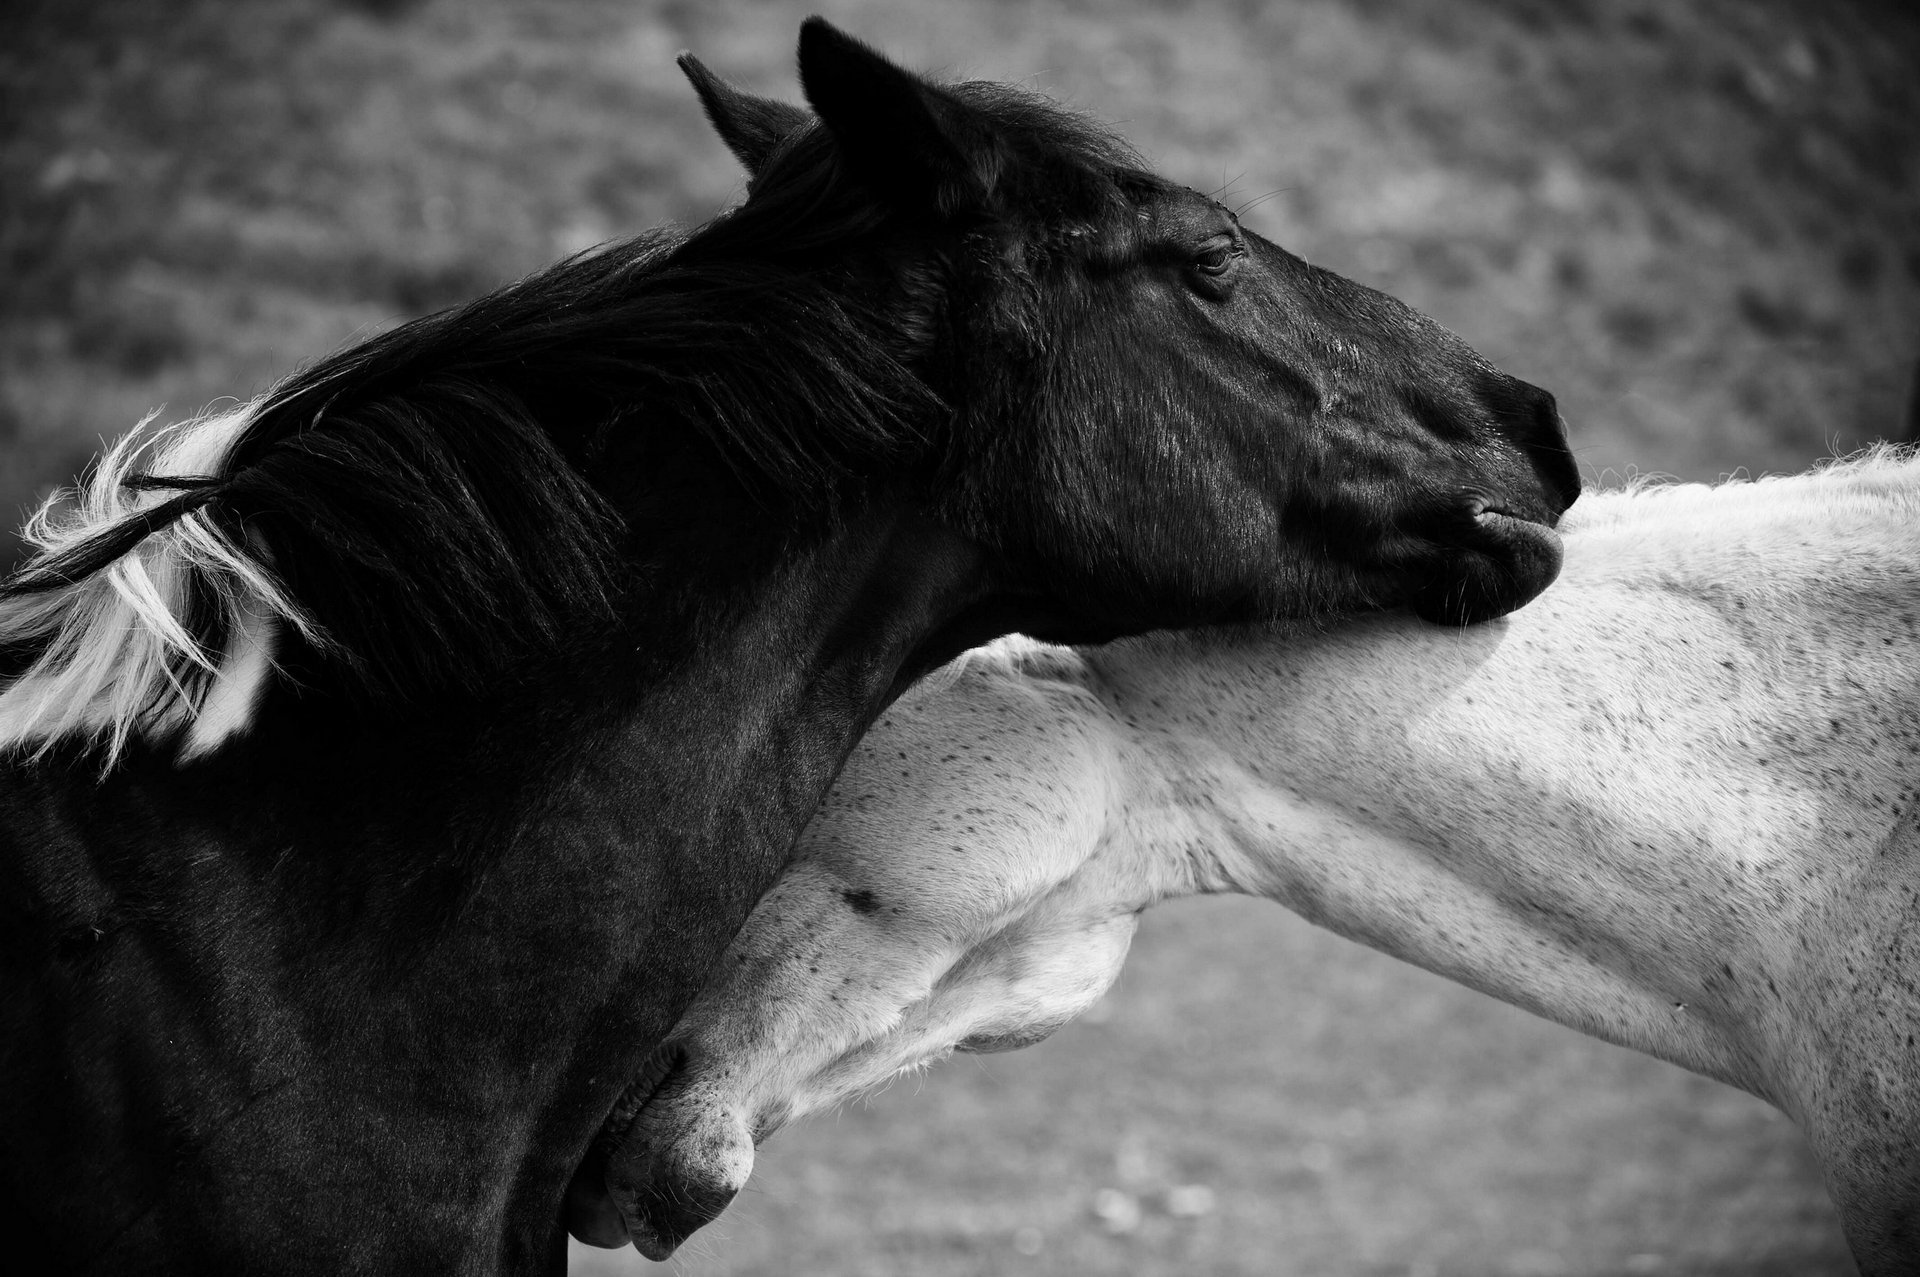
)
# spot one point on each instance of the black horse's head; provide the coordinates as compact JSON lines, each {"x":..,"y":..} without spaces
{"x":1164,"y":417}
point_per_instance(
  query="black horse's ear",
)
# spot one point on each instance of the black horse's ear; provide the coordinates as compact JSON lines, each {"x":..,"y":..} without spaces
{"x":751,"y":126}
{"x":909,"y":140}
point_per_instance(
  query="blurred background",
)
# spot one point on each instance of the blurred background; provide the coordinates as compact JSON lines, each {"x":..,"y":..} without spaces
{"x":1696,"y":221}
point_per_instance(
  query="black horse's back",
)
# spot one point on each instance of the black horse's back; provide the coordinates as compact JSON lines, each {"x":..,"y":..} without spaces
{"x":388,"y":761}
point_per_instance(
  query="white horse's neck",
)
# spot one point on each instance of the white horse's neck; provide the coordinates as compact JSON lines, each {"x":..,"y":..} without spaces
{"x":1615,"y":807}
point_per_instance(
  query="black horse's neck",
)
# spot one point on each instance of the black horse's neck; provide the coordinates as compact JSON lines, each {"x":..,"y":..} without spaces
{"x":551,"y":877}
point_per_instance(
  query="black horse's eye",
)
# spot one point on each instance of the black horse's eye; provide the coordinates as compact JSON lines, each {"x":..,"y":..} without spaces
{"x":1217,"y":258}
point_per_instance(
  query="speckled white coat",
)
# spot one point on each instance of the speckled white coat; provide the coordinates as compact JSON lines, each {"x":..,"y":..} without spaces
{"x":1672,"y":804}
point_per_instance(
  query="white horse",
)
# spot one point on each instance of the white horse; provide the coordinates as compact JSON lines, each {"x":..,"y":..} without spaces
{"x":1671,"y":804}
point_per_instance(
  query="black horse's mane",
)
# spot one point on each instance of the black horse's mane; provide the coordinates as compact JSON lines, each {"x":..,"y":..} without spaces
{"x":430,"y":498}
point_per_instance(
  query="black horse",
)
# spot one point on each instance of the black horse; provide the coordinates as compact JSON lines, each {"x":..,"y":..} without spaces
{"x":390,"y":761}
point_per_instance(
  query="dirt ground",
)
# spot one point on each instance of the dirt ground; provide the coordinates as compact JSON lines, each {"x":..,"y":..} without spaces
{"x":1696,"y":221}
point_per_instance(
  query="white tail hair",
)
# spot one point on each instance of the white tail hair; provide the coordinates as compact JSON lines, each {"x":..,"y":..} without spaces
{"x":112,"y":645}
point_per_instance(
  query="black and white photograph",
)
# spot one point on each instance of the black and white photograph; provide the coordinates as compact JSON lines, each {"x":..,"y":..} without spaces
{"x":960,"y":638}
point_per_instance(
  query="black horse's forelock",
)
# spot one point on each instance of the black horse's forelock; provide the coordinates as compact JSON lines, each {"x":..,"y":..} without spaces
{"x":1048,"y":137}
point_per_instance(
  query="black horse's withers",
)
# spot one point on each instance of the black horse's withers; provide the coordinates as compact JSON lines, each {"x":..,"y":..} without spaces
{"x":534,"y":631}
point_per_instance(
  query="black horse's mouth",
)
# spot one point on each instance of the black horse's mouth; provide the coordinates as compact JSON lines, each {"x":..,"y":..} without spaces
{"x":591,"y":1212}
{"x":1486,"y":561}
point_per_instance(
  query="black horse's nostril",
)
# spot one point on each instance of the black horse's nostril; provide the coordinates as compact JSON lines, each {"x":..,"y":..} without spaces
{"x":1530,"y":418}
{"x":1549,"y":450}
{"x":1561,"y":470}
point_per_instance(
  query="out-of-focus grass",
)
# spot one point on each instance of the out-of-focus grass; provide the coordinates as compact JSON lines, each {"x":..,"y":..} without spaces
{"x":1698,"y":223}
